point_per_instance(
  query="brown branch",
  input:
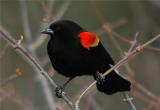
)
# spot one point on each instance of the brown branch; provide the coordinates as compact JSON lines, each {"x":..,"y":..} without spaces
{"x":129,"y":99}
{"x":147,"y":92}
{"x":12,"y":77}
{"x":141,"y":96}
{"x":10,"y":39}
{"x":152,"y":105}
{"x":27,"y":33}
{"x":122,"y":62}
{"x":9,"y":93}
{"x":129,"y":70}
{"x":45,"y":8}
{"x":62,"y":10}
{"x":25,"y":21}
{"x":109,"y":28}
{"x":59,"y":108}
{"x":48,"y":17}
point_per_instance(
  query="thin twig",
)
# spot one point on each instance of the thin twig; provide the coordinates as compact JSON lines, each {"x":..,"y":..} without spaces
{"x":121,"y":62}
{"x":89,"y":101}
{"x":48,"y":18}
{"x":128,"y":68}
{"x":62,"y":10}
{"x":46,"y":9}
{"x":134,"y":43}
{"x":30,"y":58}
{"x":45,"y":21}
{"x":59,"y":108}
{"x":147,"y":92}
{"x":25,"y":21}
{"x":129,"y":99}
{"x":12,"y":77}
{"x":27,"y":32}
{"x":132,"y":47}
{"x":142,"y":96}
{"x":124,"y":39}
{"x":113,"y":25}
{"x":110,"y":29}
{"x":82,"y":94}
{"x":9,"y":93}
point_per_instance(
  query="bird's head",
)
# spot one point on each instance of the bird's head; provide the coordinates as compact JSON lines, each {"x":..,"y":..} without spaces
{"x":62,"y":28}
{"x":69,"y":30}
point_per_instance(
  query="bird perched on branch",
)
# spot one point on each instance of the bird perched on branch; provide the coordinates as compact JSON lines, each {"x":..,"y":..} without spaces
{"x":74,"y":51}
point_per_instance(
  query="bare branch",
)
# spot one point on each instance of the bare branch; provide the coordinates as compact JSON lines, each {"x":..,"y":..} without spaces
{"x":128,"y":68}
{"x":147,"y":92}
{"x":124,"y":39}
{"x":45,"y":8}
{"x":9,"y":93}
{"x":122,"y":62}
{"x":134,"y":43}
{"x":25,"y":21}
{"x":62,"y":10}
{"x":129,"y":100}
{"x":48,"y":17}
{"x":12,"y":77}
{"x":109,"y":29}
{"x":27,"y":32}
{"x":30,"y":58}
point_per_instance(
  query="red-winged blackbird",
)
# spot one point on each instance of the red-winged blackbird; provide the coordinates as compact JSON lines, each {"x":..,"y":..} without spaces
{"x":74,"y":51}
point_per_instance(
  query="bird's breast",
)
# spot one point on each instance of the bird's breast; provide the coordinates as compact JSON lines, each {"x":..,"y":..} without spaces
{"x":73,"y":60}
{"x":68,"y":59}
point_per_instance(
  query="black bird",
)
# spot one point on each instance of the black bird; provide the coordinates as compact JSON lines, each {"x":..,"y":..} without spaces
{"x":74,"y":51}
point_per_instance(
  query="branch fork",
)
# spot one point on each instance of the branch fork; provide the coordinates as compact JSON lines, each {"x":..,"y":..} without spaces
{"x":134,"y":49}
{"x":17,"y":45}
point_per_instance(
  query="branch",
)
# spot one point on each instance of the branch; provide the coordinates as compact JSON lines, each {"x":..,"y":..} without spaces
{"x":10,"y":39}
{"x":48,"y":17}
{"x":10,"y":94}
{"x":129,"y":99}
{"x":124,"y":39}
{"x":46,"y":9}
{"x":121,"y":62}
{"x":12,"y":77}
{"x":107,"y":28}
{"x":134,"y":43}
{"x":62,"y":10}
{"x":127,"y":66}
{"x":27,"y":33}
{"x":25,"y":21}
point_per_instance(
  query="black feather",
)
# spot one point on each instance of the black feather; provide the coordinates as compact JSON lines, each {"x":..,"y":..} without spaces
{"x":70,"y":59}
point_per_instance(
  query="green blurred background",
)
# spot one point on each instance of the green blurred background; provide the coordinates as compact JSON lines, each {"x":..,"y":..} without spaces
{"x":127,"y":17}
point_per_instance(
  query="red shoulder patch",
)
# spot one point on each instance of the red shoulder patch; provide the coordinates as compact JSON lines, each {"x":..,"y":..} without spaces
{"x":88,"y":39}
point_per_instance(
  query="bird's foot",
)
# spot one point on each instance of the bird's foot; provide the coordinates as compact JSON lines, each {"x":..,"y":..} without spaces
{"x":100,"y":78}
{"x":59,"y":91}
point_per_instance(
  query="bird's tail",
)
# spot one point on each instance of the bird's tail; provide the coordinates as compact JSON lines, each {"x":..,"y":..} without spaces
{"x":113,"y":83}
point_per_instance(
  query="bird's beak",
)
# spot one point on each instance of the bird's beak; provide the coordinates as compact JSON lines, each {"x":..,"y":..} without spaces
{"x":47,"y":31}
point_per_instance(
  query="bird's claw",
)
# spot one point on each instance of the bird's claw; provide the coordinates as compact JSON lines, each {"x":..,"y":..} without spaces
{"x":59,"y":91}
{"x":99,"y":77}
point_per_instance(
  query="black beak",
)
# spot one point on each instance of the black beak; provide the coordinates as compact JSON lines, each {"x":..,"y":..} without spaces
{"x":47,"y":31}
